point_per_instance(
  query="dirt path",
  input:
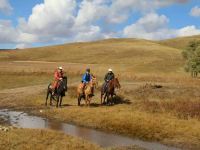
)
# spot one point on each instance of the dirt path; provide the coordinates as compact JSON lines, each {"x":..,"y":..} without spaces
{"x":16,"y":98}
{"x":32,"y":90}
{"x":27,"y":90}
{"x":48,"y":62}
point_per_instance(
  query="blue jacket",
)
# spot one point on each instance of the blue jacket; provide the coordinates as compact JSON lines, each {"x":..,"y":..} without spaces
{"x":86,"y":78}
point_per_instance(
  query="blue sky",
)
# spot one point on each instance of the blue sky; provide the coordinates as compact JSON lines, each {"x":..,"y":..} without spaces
{"x":47,"y":22}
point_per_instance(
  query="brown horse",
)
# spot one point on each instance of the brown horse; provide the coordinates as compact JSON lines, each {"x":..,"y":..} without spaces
{"x":88,"y":91}
{"x":110,"y":91}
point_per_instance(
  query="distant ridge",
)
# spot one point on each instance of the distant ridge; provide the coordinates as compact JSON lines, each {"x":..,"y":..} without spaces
{"x":180,"y":42}
{"x":131,"y":54}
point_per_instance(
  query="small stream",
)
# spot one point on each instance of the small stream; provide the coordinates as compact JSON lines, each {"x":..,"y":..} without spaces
{"x":24,"y":120}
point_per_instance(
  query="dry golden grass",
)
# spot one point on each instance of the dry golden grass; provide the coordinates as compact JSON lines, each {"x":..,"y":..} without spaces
{"x":169,"y":114}
{"x":137,"y":118}
{"x":180,"y":43}
{"x":127,"y":120}
{"x":124,"y":55}
{"x":34,"y":139}
{"x":14,"y":81}
{"x":183,"y":109}
{"x":126,"y":148}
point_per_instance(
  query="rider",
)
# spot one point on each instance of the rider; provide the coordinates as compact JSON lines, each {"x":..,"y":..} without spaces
{"x":109,"y":76}
{"x":87,"y":77}
{"x":58,"y":75}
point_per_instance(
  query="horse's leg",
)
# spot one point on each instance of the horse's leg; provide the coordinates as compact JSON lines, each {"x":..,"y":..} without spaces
{"x":108,"y":99}
{"x":79,"y":100}
{"x":89,"y":100}
{"x":102,"y":94}
{"x":60,"y":101}
{"x":111,"y":99}
{"x":51,"y":97}
{"x":104,"y":100}
{"x":86,"y":100}
{"x":101,"y":98}
{"x":47,"y":97}
{"x":58,"y":97}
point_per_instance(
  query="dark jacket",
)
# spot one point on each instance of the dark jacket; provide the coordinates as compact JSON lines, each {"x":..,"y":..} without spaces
{"x":109,"y":76}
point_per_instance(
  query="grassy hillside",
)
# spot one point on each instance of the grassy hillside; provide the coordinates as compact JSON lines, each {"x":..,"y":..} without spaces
{"x":130,"y":54}
{"x":157,"y":101}
{"x":180,"y":42}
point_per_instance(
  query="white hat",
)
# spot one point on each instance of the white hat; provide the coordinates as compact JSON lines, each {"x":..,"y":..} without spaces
{"x":61,"y":68}
{"x":110,"y":70}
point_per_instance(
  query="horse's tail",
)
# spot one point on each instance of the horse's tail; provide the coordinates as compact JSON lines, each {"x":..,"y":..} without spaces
{"x":48,"y":91}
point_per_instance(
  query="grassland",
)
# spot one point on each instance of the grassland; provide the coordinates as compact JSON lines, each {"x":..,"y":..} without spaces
{"x":41,"y":139}
{"x":179,"y":43}
{"x":158,"y":100}
{"x":34,"y":139}
{"x":128,"y":55}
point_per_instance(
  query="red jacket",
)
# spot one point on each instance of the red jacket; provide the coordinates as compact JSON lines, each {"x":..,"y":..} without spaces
{"x":58,"y":75}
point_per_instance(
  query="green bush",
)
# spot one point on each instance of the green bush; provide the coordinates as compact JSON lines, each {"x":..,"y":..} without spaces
{"x":192,"y":55}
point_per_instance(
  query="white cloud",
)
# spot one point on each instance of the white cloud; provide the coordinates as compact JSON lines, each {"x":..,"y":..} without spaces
{"x":116,"y":11}
{"x":5,"y":6}
{"x":90,"y":34}
{"x":188,"y":31}
{"x":195,"y":11}
{"x":57,"y":21}
{"x":121,"y":10}
{"x":91,"y":11}
{"x":49,"y":20}
{"x":86,"y":20}
{"x":151,"y":26}
{"x":155,"y":27}
{"x":22,"y":46}
{"x":8,"y":33}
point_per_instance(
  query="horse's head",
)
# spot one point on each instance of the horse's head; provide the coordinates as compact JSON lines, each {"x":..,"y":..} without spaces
{"x":116,"y":83}
{"x":94,"y":81}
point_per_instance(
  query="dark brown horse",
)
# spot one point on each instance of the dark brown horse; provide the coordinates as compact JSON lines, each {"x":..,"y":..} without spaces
{"x":109,"y":92}
{"x":59,"y":94}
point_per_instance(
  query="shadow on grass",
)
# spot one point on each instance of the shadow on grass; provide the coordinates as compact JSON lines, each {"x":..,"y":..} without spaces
{"x":65,"y":105}
{"x":118,"y":99}
{"x":91,"y":105}
{"x":121,"y":100}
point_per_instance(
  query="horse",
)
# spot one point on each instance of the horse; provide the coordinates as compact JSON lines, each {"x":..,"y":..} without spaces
{"x":109,"y":91}
{"x":59,"y":92}
{"x":88,"y":91}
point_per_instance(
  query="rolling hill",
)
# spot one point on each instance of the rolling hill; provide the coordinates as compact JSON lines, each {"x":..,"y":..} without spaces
{"x":129,"y":54}
{"x":180,"y":42}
